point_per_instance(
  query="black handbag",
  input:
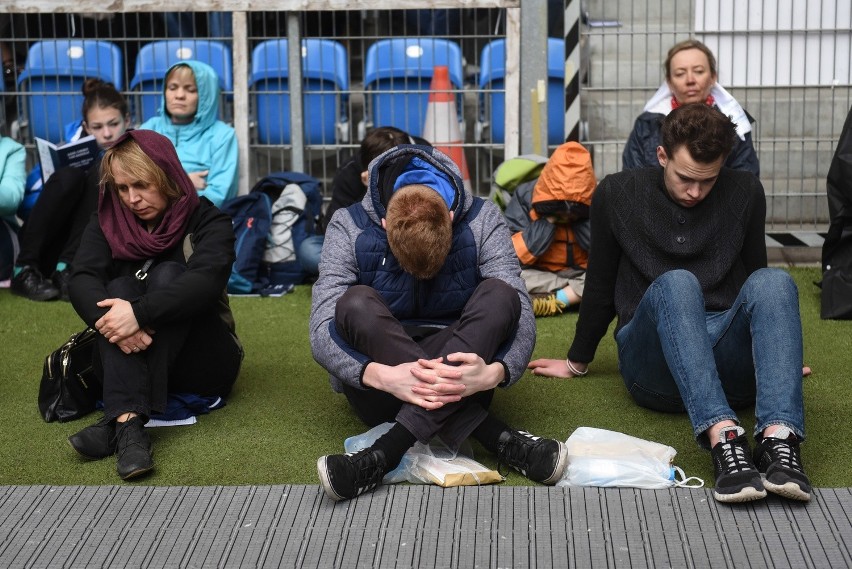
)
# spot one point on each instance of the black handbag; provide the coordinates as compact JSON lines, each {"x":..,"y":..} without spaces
{"x":69,"y":388}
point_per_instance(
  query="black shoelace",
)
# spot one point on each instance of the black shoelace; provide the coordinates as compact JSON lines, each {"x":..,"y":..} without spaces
{"x":516,"y":459}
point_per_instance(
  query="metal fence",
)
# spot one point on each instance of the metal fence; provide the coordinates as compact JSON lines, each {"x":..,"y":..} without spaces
{"x":786,"y":62}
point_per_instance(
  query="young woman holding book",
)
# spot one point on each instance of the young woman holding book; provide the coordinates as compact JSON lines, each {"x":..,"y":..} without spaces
{"x":51,"y":234}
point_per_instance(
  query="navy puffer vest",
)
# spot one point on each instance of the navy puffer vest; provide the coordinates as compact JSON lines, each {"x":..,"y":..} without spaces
{"x":443,"y":297}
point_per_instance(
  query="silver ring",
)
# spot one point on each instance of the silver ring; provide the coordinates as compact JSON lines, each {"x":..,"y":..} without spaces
{"x":135,"y":348}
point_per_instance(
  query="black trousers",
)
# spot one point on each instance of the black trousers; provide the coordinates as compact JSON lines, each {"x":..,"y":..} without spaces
{"x":55,"y":225}
{"x":364,"y":320}
{"x":198,"y":356}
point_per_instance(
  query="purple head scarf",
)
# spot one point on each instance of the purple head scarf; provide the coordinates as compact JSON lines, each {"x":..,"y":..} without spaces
{"x":127,"y":236}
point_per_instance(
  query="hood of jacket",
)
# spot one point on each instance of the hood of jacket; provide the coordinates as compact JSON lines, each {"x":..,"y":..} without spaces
{"x":414,"y":164}
{"x":566,"y":181}
{"x":207,"y":113}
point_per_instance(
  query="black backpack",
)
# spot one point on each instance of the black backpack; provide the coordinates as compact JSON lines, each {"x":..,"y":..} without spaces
{"x":836,"y":298}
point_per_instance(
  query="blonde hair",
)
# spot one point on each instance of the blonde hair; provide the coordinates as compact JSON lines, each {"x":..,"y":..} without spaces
{"x":181,"y":70}
{"x":130,"y":157}
{"x":419,"y":230}
{"x":685,"y":45}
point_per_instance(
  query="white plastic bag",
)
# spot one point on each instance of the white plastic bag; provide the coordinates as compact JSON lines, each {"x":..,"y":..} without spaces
{"x":429,"y":464}
{"x":598,"y":457}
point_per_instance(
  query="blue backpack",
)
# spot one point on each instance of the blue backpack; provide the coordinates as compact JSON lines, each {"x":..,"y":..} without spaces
{"x":296,"y":200}
{"x":252,"y":217}
{"x":262,"y":219}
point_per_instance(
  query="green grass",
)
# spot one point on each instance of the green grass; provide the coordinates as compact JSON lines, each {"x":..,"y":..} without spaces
{"x":282,"y":414}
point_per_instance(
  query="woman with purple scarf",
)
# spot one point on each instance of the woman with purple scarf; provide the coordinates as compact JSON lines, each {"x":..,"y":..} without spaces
{"x":150,"y":276}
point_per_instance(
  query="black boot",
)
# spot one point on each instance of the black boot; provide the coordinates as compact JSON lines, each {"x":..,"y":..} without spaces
{"x":134,"y":448}
{"x":95,"y":441}
{"x":60,"y":280}
{"x":30,"y":283}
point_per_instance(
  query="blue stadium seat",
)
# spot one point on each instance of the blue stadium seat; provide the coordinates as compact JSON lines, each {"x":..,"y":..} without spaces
{"x":492,"y":74}
{"x":157,"y":57}
{"x":50,"y":85}
{"x":397,"y":77}
{"x":325,"y":75}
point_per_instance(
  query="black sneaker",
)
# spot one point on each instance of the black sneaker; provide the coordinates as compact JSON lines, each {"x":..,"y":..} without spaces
{"x":30,"y":283}
{"x":777,"y":458}
{"x":60,"y":280}
{"x":737,"y":480}
{"x":345,"y":476}
{"x":540,"y":460}
{"x":95,"y":441}
{"x":134,"y":448}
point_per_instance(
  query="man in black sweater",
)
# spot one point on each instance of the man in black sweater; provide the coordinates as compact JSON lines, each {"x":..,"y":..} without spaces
{"x":703,"y":325}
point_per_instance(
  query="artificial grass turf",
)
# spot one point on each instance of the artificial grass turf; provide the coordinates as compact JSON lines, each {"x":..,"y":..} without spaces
{"x":282,"y":414}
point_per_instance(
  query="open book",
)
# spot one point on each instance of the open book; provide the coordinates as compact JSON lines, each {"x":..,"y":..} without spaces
{"x":81,"y":153}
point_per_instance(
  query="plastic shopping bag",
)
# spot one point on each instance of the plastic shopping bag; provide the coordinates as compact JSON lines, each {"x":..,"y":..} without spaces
{"x":598,"y":457}
{"x":429,"y":464}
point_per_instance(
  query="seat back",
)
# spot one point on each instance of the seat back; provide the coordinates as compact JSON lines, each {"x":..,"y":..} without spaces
{"x":51,"y":84}
{"x":155,"y":58}
{"x":398,"y":75}
{"x":492,"y":75}
{"x":325,"y":76}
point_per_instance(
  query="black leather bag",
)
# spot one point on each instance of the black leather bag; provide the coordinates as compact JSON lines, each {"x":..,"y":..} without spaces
{"x":69,"y":388}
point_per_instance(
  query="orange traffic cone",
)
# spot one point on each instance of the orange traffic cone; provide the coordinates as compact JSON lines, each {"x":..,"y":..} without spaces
{"x":441,"y":128}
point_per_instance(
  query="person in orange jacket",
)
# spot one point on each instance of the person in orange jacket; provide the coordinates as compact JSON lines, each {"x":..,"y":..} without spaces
{"x":549,"y":220}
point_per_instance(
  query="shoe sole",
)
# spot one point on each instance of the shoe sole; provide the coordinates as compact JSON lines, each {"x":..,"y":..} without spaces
{"x":84,"y":455}
{"x":561,"y":465}
{"x":322,"y":471}
{"x":137,"y":473}
{"x":747,"y":494}
{"x":789,"y":490}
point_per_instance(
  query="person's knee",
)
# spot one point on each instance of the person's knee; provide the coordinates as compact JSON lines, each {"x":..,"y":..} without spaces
{"x":354,"y":304}
{"x":678,"y":285}
{"x":501,"y":294}
{"x":124,"y":287}
{"x":678,"y":279}
{"x":771,"y":283}
{"x":164,"y":274}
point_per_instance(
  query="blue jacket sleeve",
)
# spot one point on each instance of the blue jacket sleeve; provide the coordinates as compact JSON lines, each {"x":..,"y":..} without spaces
{"x":12,"y":176}
{"x":223,"y":171}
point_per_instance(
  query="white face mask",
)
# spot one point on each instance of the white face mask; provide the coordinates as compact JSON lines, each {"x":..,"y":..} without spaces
{"x":597,"y":457}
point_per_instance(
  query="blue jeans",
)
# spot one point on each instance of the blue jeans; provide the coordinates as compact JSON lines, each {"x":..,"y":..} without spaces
{"x":674,"y":356}
{"x":309,"y":254}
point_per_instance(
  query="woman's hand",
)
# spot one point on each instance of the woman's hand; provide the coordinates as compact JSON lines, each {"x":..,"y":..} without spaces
{"x":556,"y":368}
{"x":135,"y":343}
{"x":119,"y":322}
{"x":199,"y":179}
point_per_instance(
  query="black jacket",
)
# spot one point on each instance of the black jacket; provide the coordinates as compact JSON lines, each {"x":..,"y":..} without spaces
{"x":837,"y":248}
{"x":640,"y":151}
{"x":207,"y":250}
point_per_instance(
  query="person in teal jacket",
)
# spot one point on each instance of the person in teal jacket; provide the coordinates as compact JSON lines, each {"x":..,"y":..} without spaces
{"x":12,"y":177}
{"x":189,"y":117}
